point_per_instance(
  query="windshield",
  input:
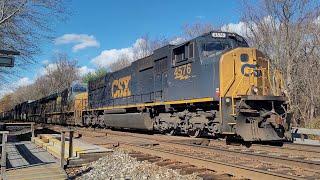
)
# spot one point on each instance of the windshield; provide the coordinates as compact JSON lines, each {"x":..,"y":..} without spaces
{"x":214,"y":48}
{"x":77,"y":88}
{"x":239,"y":41}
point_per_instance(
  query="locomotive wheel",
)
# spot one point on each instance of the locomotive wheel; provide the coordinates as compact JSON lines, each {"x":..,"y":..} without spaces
{"x":195,"y":133}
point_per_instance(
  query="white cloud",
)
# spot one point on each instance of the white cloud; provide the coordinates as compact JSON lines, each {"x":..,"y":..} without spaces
{"x":9,"y":88}
{"x":4,"y":91}
{"x":81,"y":41}
{"x":177,"y":41}
{"x":242,"y":28}
{"x":24,"y":82}
{"x":107,"y":57}
{"x":85,"y":70}
{"x":239,"y":28}
{"x":45,"y":62}
{"x":49,"y":67}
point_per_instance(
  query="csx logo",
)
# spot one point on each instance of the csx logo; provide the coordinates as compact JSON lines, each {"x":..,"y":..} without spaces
{"x":255,"y":71}
{"x":120,"y":87}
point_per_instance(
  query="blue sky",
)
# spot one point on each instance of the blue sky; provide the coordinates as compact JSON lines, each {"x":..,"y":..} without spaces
{"x":99,"y":26}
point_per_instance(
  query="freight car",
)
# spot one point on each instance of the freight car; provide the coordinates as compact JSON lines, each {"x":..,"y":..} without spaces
{"x":57,"y":108}
{"x":214,"y":84}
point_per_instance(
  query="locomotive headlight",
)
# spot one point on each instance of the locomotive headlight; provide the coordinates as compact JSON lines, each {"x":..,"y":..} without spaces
{"x":228,"y":100}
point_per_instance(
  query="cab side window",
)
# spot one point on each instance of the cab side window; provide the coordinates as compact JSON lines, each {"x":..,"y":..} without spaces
{"x":183,"y":53}
{"x":178,"y":54}
{"x":191,"y":50}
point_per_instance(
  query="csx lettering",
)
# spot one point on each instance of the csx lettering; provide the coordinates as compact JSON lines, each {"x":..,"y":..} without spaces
{"x":120,"y":87}
{"x":183,"y":72}
{"x":253,"y":67}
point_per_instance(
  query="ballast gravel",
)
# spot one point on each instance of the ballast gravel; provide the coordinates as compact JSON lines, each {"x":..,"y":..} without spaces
{"x":119,"y":165}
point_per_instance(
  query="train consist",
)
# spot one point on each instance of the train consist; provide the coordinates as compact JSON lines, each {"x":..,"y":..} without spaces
{"x":214,"y":84}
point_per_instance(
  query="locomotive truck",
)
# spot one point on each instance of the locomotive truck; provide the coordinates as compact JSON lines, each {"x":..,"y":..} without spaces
{"x":214,"y":84}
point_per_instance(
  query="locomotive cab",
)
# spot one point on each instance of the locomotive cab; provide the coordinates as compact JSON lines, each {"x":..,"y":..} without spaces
{"x":79,"y":98}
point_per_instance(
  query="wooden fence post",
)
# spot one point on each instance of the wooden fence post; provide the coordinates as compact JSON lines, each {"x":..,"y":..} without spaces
{"x":70,"y":143}
{"x":62,"y":149}
{"x":4,"y":154}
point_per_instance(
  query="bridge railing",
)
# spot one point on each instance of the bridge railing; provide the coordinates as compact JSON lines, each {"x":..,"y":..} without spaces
{"x":28,"y":125}
{"x":302,"y":136}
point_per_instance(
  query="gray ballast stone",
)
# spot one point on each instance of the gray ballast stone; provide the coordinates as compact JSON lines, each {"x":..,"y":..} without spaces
{"x":119,"y":165}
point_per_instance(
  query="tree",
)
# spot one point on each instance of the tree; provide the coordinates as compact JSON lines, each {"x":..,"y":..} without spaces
{"x":142,"y":48}
{"x":122,"y":61}
{"x":24,"y":24}
{"x":61,"y":73}
{"x":193,"y":30}
{"x":6,"y":103}
{"x":58,"y":75}
{"x":288,"y":32}
{"x":95,"y":75}
{"x":145,"y":46}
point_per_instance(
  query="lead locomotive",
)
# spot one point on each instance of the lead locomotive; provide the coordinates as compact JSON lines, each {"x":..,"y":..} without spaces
{"x":211,"y":85}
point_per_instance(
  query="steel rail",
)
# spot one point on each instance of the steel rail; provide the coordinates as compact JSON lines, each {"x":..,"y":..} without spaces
{"x":213,"y":164}
{"x":311,"y":165}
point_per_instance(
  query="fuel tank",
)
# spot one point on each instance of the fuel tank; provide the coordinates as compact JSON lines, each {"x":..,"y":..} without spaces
{"x":141,"y":121}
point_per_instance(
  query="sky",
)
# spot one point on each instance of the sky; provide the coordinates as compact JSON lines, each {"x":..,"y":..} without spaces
{"x":97,"y":31}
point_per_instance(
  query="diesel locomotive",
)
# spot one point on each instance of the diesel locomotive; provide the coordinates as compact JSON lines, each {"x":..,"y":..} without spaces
{"x":214,"y":84}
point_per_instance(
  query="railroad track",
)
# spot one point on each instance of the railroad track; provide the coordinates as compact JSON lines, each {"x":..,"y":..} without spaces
{"x":286,"y":167}
{"x":302,"y":147}
{"x":294,"y":160}
{"x":264,"y":156}
{"x":289,"y":146}
{"x":219,"y":169}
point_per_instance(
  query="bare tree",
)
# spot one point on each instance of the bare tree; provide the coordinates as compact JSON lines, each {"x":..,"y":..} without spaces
{"x":58,"y":75}
{"x":24,"y":24}
{"x":196,"y":29}
{"x":145,"y":46}
{"x":122,"y":62}
{"x":288,"y":32}
{"x":61,"y":73}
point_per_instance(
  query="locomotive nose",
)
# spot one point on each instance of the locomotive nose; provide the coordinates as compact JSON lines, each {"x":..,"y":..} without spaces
{"x":245,"y":71}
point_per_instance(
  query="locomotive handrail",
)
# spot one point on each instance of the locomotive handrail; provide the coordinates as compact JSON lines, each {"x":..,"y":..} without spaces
{"x":234,"y":94}
{"x":231,"y":82}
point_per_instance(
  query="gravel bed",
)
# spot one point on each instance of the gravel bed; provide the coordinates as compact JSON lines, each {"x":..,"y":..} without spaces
{"x":119,"y":165}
